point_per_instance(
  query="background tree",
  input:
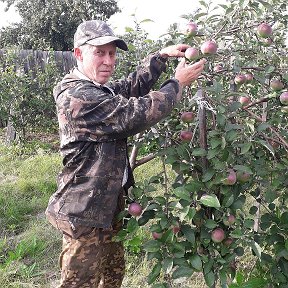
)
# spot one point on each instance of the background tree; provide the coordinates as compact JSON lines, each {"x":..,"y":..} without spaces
{"x":51,"y":24}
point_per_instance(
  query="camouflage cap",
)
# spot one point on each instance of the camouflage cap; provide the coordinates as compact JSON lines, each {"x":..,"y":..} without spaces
{"x":96,"y":32}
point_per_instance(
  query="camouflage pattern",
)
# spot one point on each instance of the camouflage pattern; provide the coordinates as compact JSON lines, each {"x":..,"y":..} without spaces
{"x":96,"y":32}
{"x":93,"y":260}
{"x":94,"y":123}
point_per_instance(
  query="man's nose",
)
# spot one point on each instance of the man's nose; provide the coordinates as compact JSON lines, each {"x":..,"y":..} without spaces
{"x":108,"y":60}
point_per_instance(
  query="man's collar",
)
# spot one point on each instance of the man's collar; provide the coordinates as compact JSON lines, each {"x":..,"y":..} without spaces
{"x":84,"y":77}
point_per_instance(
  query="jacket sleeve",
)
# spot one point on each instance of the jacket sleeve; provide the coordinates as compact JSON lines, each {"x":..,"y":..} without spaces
{"x":140,"y":82}
{"x":90,"y":113}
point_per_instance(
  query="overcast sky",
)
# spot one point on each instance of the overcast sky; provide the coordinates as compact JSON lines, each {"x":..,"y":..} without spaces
{"x":162,"y":12}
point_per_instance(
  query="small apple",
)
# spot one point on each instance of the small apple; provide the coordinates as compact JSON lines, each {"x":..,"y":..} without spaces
{"x":243,"y":177}
{"x":231,"y":178}
{"x":175,"y":228}
{"x":276,"y":85}
{"x":244,"y":100}
{"x":230,"y":220}
{"x":217,"y":235}
{"x":192,"y":53}
{"x":284,"y":98}
{"x":240,"y":79}
{"x":266,"y":42}
{"x":209,"y":47}
{"x":156,"y":235}
{"x":191,"y":29}
{"x":249,"y":77}
{"x":186,"y":136}
{"x":187,"y":117}
{"x":228,"y":241}
{"x":264,"y":30}
{"x":135,"y":209}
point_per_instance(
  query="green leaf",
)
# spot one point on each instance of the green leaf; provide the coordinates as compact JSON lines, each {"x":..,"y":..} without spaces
{"x":228,"y":200}
{"x":263,"y":126}
{"x":167,"y":265}
{"x":208,"y":175}
{"x":239,"y":278}
{"x":196,"y":262}
{"x":182,"y":193}
{"x":154,"y":273}
{"x":212,"y":153}
{"x":243,"y":168}
{"x":188,"y":233}
{"x":256,"y":248}
{"x":199,"y":152}
{"x":245,"y":147}
{"x":182,"y":272}
{"x":214,"y":142}
{"x":210,"y":201}
{"x":209,"y":223}
{"x":152,"y":246}
{"x":210,"y":278}
{"x":132,"y":225}
{"x":267,"y":146}
{"x":269,"y":69}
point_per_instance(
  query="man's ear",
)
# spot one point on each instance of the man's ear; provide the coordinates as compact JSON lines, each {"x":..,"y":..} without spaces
{"x":78,"y":54}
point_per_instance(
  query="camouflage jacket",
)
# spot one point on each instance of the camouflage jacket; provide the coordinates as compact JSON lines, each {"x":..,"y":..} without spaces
{"x":94,"y":123}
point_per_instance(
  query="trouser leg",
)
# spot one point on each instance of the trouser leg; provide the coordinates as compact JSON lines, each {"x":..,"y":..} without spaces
{"x":93,"y":260}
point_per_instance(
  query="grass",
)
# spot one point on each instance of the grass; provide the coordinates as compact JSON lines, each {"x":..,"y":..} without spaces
{"x":29,"y":245}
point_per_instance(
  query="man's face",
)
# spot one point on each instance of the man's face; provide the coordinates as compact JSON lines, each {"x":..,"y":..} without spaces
{"x":98,"y":62}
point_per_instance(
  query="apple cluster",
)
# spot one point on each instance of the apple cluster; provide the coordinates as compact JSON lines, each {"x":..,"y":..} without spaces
{"x":207,"y":48}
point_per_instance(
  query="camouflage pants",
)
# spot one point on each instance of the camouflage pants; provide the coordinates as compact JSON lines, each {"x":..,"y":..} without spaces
{"x":93,"y":260}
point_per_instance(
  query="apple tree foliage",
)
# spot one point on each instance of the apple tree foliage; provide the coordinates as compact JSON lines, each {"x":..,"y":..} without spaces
{"x":225,"y":191}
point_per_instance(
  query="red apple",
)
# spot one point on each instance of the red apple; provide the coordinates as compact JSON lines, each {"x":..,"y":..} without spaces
{"x":186,"y":136}
{"x":191,"y":29}
{"x":230,"y":220}
{"x":244,"y":100}
{"x":231,"y":178}
{"x":135,"y":209}
{"x":264,"y":30}
{"x":240,"y":79}
{"x":175,"y":229}
{"x":228,"y":241}
{"x":187,"y":117}
{"x":284,"y":98}
{"x":267,"y":42}
{"x":217,"y":235}
{"x":243,"y":177}
{"x":209,"y":47}
{"x":192,"y":53}
{"x":156,"y":235}
{"x":276,"y":85}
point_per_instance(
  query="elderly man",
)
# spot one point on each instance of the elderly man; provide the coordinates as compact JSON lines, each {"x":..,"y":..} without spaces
{"x":95,"y":118}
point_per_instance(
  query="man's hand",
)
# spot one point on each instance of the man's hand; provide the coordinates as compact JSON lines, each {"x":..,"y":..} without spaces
{"x":174,"y":50}
{"x":186,"y":73}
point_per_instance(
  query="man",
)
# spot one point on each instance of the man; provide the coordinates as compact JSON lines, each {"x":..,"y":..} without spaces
{"x":95,"y":118}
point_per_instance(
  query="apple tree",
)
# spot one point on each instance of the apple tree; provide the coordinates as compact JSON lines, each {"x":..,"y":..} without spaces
{"x":224,"y":154}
